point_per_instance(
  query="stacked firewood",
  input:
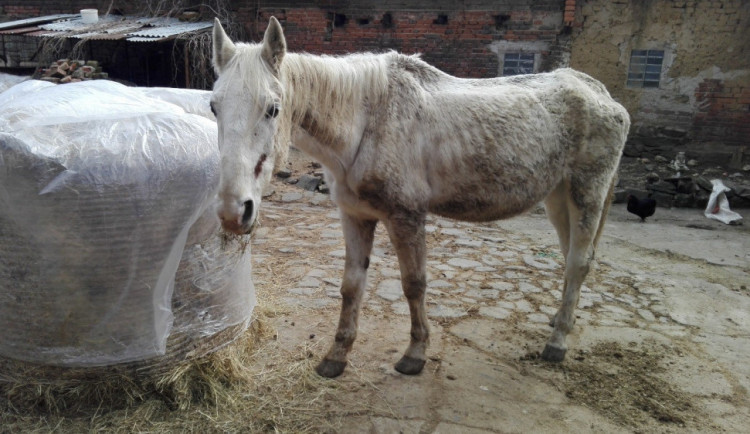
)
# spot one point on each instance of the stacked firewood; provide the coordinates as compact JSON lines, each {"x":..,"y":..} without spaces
{"x":71,"y":71}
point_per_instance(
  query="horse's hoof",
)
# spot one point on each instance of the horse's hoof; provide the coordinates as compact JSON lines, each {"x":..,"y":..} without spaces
{"x":553,"y":354}
{"x":409,"y":365}
{"x":330,"y":368}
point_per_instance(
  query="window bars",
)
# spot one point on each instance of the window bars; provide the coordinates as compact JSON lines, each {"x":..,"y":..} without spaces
{"x":518,"y":63}
{"x":645,"y":68}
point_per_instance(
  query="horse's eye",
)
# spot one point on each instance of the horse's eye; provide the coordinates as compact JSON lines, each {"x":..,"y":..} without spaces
{"x":272,"y":111}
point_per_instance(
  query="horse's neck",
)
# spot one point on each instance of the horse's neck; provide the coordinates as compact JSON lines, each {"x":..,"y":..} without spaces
{"x":326,"y":94}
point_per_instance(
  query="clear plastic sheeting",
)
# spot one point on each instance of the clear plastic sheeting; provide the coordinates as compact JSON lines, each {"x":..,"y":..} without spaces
{"x":191,"y":100}
{"x":9,"y":80}
{"x":110,"y":251}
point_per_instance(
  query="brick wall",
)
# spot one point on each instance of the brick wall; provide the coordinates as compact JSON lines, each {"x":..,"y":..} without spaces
{"x":12,"y":12}
{"x":723,"y":112}
{"x":465,"y":39}
{"x":19,"y":9}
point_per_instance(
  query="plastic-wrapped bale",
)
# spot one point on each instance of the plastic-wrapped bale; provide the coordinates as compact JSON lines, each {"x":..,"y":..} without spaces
{"x":10,"y":80}
{"x":110,"y":251}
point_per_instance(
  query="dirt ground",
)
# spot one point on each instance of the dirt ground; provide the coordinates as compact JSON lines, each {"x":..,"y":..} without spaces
{"x":660,"y":345}
{"x":661,"y":341}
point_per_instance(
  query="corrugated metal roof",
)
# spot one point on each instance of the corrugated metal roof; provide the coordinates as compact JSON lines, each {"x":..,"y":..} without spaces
{"x":77,"y":24}
{"x":19,"y":30}
{"x":41,"y":33}
{"x":99,"y":36}
{"x":135,"y":29}
{"x":34,"y":21}
{"x":142,"y":39}
{"x":171,"y":29}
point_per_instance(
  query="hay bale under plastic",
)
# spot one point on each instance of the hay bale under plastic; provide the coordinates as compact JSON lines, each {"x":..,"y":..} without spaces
{"x":113,"y":271}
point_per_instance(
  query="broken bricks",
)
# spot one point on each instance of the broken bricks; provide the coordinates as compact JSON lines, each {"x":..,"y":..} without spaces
{"x":71,"y":71}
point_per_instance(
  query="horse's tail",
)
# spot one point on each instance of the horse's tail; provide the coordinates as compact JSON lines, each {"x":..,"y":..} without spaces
{"x":605,"y":211}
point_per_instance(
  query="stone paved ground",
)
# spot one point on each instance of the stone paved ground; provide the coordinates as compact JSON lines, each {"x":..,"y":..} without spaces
{"x":661,"y":338}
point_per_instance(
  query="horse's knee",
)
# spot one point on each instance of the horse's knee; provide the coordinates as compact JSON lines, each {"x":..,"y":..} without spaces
{"x":576,"y":271}
{"x":416,"y":282}
{"x":414,"y":288}
{"x":349,"y":297}
{"x":353,"y":282}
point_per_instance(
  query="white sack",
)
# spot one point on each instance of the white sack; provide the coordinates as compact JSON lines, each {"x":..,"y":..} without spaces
{"x":718,"y":205}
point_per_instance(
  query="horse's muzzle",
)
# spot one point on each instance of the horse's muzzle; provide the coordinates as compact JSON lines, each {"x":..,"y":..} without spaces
{"x":241,"y":222}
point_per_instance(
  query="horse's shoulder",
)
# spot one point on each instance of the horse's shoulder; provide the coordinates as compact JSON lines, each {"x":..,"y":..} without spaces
{"x":575,"y":80}
{"x":412,"y":67}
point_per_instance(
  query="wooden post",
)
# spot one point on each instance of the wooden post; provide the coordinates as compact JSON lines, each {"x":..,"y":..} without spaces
{"x":187,"y":66}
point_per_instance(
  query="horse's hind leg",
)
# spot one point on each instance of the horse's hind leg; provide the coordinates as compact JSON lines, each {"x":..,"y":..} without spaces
{"x":584,"y":203}
{"x":556,"y":207}
{"x":358,"y":235}
{"x":408,"y":238}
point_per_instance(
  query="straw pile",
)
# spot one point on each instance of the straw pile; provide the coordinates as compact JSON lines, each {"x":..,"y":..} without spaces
{"x":245,"y":386}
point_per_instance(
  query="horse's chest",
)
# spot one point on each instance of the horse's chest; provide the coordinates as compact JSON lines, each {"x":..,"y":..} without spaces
{"x":353,"y":204}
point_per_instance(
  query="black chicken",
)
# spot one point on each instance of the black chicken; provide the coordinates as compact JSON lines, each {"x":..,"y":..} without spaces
{"x":641,"y":207}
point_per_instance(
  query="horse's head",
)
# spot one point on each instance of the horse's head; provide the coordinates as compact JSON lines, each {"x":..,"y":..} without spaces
{"x":246,"y":100}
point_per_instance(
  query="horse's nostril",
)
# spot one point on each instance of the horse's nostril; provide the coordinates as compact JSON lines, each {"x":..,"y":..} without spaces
{"x":248,"y":211}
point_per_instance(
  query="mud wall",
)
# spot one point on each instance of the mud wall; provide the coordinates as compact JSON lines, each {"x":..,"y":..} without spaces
{"x":702,"y":104}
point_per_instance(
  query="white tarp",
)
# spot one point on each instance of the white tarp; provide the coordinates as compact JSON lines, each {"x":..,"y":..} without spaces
{"x":106,"y":201}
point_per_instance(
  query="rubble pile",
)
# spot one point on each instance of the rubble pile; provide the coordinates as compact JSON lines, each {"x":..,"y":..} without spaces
{"x":72,"y":71}
{"x":680,"y":183}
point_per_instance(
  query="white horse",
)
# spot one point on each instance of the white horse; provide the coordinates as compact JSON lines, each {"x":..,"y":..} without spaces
{"x":398,"y":139}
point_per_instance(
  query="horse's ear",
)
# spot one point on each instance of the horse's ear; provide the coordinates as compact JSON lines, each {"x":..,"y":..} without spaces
{"x":223,"y":47}
{"x":274,"y":45}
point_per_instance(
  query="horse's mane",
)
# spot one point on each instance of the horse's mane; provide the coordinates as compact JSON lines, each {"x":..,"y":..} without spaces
{"x":335,"y":83}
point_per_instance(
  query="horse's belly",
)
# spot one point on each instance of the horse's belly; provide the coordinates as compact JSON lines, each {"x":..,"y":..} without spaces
{"x":492,"y":201}
{"x":475,"y":208}
{"x":474,"y":212}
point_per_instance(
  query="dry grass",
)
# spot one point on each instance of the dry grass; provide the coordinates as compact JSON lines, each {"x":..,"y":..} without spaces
{"x":239,"y":387}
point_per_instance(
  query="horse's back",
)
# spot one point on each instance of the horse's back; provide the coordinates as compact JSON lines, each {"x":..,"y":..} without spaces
{"x":485,"y":149}
{"x":582,"y":113}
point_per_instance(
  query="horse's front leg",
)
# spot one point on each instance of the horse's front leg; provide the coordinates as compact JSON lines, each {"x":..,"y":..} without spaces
{"x":358,"y":235}
{"x":408,"y":238}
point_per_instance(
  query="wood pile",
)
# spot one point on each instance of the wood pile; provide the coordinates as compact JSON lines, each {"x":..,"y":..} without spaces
{"x":72,"y":71}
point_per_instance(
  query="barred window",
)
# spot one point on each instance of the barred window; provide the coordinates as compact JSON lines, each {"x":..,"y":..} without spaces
{"x":518,"y":63}
{"x":645,"y":68}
